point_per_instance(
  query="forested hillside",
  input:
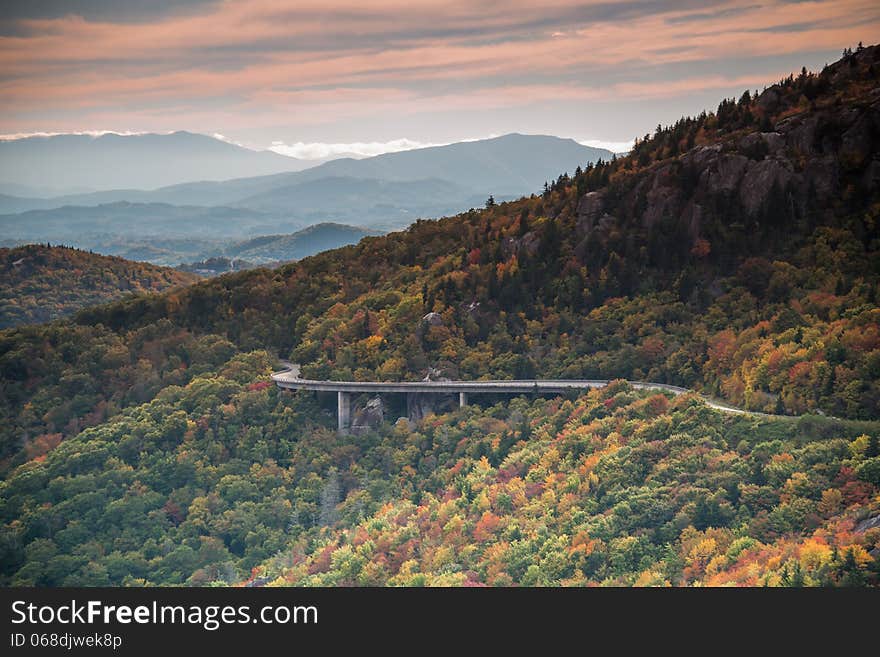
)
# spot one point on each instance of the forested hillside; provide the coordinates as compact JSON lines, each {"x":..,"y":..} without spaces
{"x":228,"y":479}
{"x":40,"y":283}
{"x":734,"y":252}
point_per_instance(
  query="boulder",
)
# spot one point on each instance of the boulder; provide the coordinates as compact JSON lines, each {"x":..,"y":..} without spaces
{"x":433,"y":319}
{"x":438,"y":373}
{"x":589,"y":210}
{"x":868,"y":523}
{"x":801,"y":135}
{"x":769,"y":99}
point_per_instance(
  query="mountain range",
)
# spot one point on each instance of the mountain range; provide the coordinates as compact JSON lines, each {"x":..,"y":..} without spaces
{"x":379,"y":193}
{"x":145,"y":161}
{"x":511,"y":165}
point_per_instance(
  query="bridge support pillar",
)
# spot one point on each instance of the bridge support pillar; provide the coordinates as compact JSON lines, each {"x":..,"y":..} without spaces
{"x":462,"y":399}
{"x":343,"y":410}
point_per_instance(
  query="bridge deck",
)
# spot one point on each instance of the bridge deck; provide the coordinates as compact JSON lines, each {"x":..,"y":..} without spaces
{"x":290,"y":381}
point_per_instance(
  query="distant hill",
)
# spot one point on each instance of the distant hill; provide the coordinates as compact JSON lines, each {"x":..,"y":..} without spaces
{"x":274,"y":250}
{"x":366,"y":201}
{"x":169,"y":235}
{"x":14,"y":204}
{"x":312,"y":240}
{"x":40,"y":283}
{"x":144,"y":161}
{"x":133,"y":219}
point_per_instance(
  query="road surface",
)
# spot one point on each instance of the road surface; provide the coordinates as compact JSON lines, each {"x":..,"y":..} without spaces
{"x":290,"y":379}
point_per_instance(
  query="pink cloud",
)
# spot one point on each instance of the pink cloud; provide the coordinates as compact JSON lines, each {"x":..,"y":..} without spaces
{"x":328,"y":60}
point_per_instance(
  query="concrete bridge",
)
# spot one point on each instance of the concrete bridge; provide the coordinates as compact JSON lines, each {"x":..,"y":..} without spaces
{"x":289,"y":379}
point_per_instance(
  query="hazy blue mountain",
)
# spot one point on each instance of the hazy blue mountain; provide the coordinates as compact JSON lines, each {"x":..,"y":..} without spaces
{"x":30,"y":191}
{"x":183,"y":222}
{"x":169,"y":235}
{"x":273,"y":250}
{"x":513,"y":164}
{"x":203,"y":193}
{"x":134,"y":219}
{"x":144,"y":161}
{"x":364,"y":201}
{"x":510,"y":166}
{"x":309,"y":241}
{"x":14,"y":204}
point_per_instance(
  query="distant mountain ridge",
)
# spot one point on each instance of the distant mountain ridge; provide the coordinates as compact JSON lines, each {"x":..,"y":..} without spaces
{"x":142,"y":161}
{"x":512,"y":165}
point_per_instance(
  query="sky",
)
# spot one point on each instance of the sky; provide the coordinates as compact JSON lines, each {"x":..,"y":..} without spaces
{"x":315,"y":78}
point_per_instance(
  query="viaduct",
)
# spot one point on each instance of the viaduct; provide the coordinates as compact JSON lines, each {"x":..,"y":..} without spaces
{"x":289,"y":379}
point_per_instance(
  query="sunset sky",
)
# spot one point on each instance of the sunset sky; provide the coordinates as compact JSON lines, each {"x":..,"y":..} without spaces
{"x":311,"y":77}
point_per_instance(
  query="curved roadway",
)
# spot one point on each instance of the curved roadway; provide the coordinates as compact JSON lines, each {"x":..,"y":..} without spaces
{"x":289,"y":379}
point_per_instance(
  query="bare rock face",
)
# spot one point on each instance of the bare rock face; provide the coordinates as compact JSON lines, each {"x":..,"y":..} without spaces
{"x":702,"y":155}
{"x":369,"y":417}
{"x":760,"y":179}
{"x":528,"y":243}
{"x":801,"y":135}
{"x":692,"y":215}
{"x":822,"y":174}
{"x":664,"y":197}
{"x":419,"y":406}
{"x":855,"y":149}
{"x":724,"y":173}
{"x":762,"y":143}
{"x":755,"y":179}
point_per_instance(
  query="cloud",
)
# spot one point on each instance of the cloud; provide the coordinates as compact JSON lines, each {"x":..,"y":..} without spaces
{"x":226,"y":139}
{"x":613,"y":146}
{"x":283,"y":65}
{"x":358,"y":149}
{"x":90,"y":133}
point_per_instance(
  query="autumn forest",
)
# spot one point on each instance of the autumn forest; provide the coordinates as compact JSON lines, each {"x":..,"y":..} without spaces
{"x":735,"y":253}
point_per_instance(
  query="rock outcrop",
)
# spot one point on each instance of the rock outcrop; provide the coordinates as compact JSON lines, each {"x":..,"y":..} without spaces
{"x":801,"y":165}
{"x":369,"y":417}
